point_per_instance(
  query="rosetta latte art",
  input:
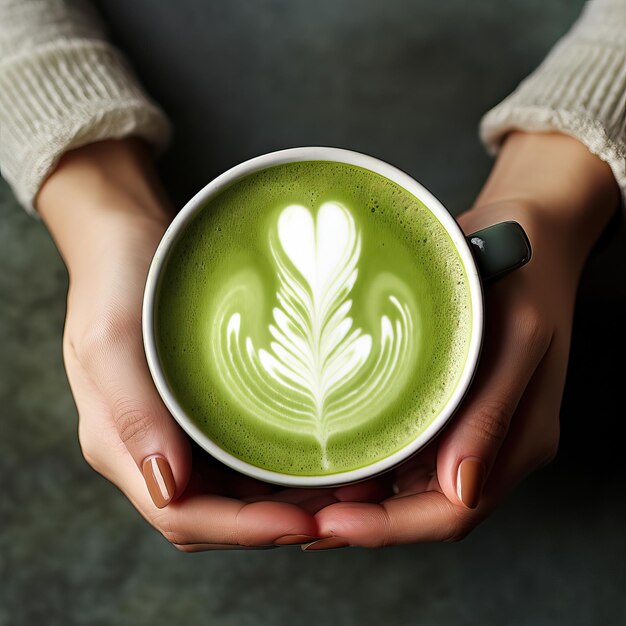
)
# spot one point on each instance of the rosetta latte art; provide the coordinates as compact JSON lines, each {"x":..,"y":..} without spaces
{"x":319,"y":375}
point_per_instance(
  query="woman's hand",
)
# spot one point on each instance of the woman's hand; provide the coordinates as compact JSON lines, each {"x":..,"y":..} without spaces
{"x":103,"y":206}
{"x":508,"y":426}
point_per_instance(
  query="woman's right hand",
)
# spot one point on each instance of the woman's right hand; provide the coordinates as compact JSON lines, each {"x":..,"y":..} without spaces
{"x":102,"y":209}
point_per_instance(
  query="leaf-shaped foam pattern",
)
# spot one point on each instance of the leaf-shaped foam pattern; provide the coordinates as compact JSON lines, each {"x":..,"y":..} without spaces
{"x":319,"y":375}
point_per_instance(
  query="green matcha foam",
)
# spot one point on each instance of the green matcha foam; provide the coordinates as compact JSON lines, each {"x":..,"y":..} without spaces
{"x":313,"y":318}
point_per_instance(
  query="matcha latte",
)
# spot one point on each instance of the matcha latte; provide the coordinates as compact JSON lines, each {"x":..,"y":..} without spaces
{"x":313,"y":318}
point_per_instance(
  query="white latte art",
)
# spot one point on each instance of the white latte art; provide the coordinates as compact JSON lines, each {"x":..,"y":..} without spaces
{"x":319,"y":375}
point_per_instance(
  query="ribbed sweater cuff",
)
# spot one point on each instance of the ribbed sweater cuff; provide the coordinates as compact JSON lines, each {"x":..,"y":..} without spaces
{"x":579,"y":90}
{"x":64,"y":95}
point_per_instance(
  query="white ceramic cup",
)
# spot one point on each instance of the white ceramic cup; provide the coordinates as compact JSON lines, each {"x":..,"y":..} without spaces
{"x":485,"y":255}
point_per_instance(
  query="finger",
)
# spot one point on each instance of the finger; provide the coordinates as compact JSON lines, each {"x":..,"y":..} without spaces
{"x":205,"y":547}
{"x":309,"y":500}
{"x":420,"y":478}
{"x":372,"y":490}
{"x":514,"y":346}
{"x":208,"y":476}
{"x":427,"y":516}
{"x":313,"y":505}
{"x":295,"y":496}
{"x":208,"y":518}
{"x":417,"y":470}
{"x":534,"y":435}
{"x":216,"y":519}
{"x":115,"y":361}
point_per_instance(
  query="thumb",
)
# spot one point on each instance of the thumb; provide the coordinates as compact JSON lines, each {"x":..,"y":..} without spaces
{"x":115,"y":360}
{"x":469,"y":447}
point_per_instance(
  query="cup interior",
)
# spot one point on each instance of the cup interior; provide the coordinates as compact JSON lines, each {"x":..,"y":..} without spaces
{"x":256,"y":164}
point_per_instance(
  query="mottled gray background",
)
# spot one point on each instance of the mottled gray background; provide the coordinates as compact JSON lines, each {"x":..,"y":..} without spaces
{"x":404,"y":81}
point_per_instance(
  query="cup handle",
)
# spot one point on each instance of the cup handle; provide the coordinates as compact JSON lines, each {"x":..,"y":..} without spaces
{"x":499,"y":249}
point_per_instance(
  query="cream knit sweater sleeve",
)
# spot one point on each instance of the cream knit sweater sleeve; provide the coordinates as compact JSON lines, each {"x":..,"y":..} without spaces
{"x":579,"y":89}
{"x":62,"y":86}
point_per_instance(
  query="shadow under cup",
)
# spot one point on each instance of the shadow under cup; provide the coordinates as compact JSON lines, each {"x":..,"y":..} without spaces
{"x":313,"y":317}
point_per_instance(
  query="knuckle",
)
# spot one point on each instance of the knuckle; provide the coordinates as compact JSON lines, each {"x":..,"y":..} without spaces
{"x":105,"y":333}
{"x":490,"y":421}
{"x":68,"y":347}
{"x":164,"y":523}
{"x":458,"y":536}
{"x":548,"y":451}
{"x":385,"y":537}
{"x":89,"y":457}
{"x":534,"y":331}
{"x":239,"y":536}
{"x":87,"y":449}
{"x":461,"y":525}
{"x":133,"y":422}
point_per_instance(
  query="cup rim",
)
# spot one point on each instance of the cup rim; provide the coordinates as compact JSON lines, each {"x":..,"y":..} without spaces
{"x":290,"y":155}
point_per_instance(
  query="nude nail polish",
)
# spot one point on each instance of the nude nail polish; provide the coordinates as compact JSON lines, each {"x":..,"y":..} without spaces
{"x":159,"y":479}
{"x":469,"y":481}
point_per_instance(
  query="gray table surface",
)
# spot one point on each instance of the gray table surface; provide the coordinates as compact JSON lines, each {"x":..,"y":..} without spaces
{"x":404,"y":81}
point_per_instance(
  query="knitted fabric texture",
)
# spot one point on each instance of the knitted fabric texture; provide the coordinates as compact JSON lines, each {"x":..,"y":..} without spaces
{"x":62,"y":85}
{"x":579,"y":90}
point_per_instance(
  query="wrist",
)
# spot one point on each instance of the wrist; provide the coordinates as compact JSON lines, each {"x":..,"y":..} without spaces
{"x":97,"y":194}
{"x":556,"y":180}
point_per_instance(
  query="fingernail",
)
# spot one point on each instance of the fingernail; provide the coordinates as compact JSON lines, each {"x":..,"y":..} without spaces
{"x":469,"y":481}
{"x":289,"y":540}
{"x":327,"y":543}
{"x":159,"y":479}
